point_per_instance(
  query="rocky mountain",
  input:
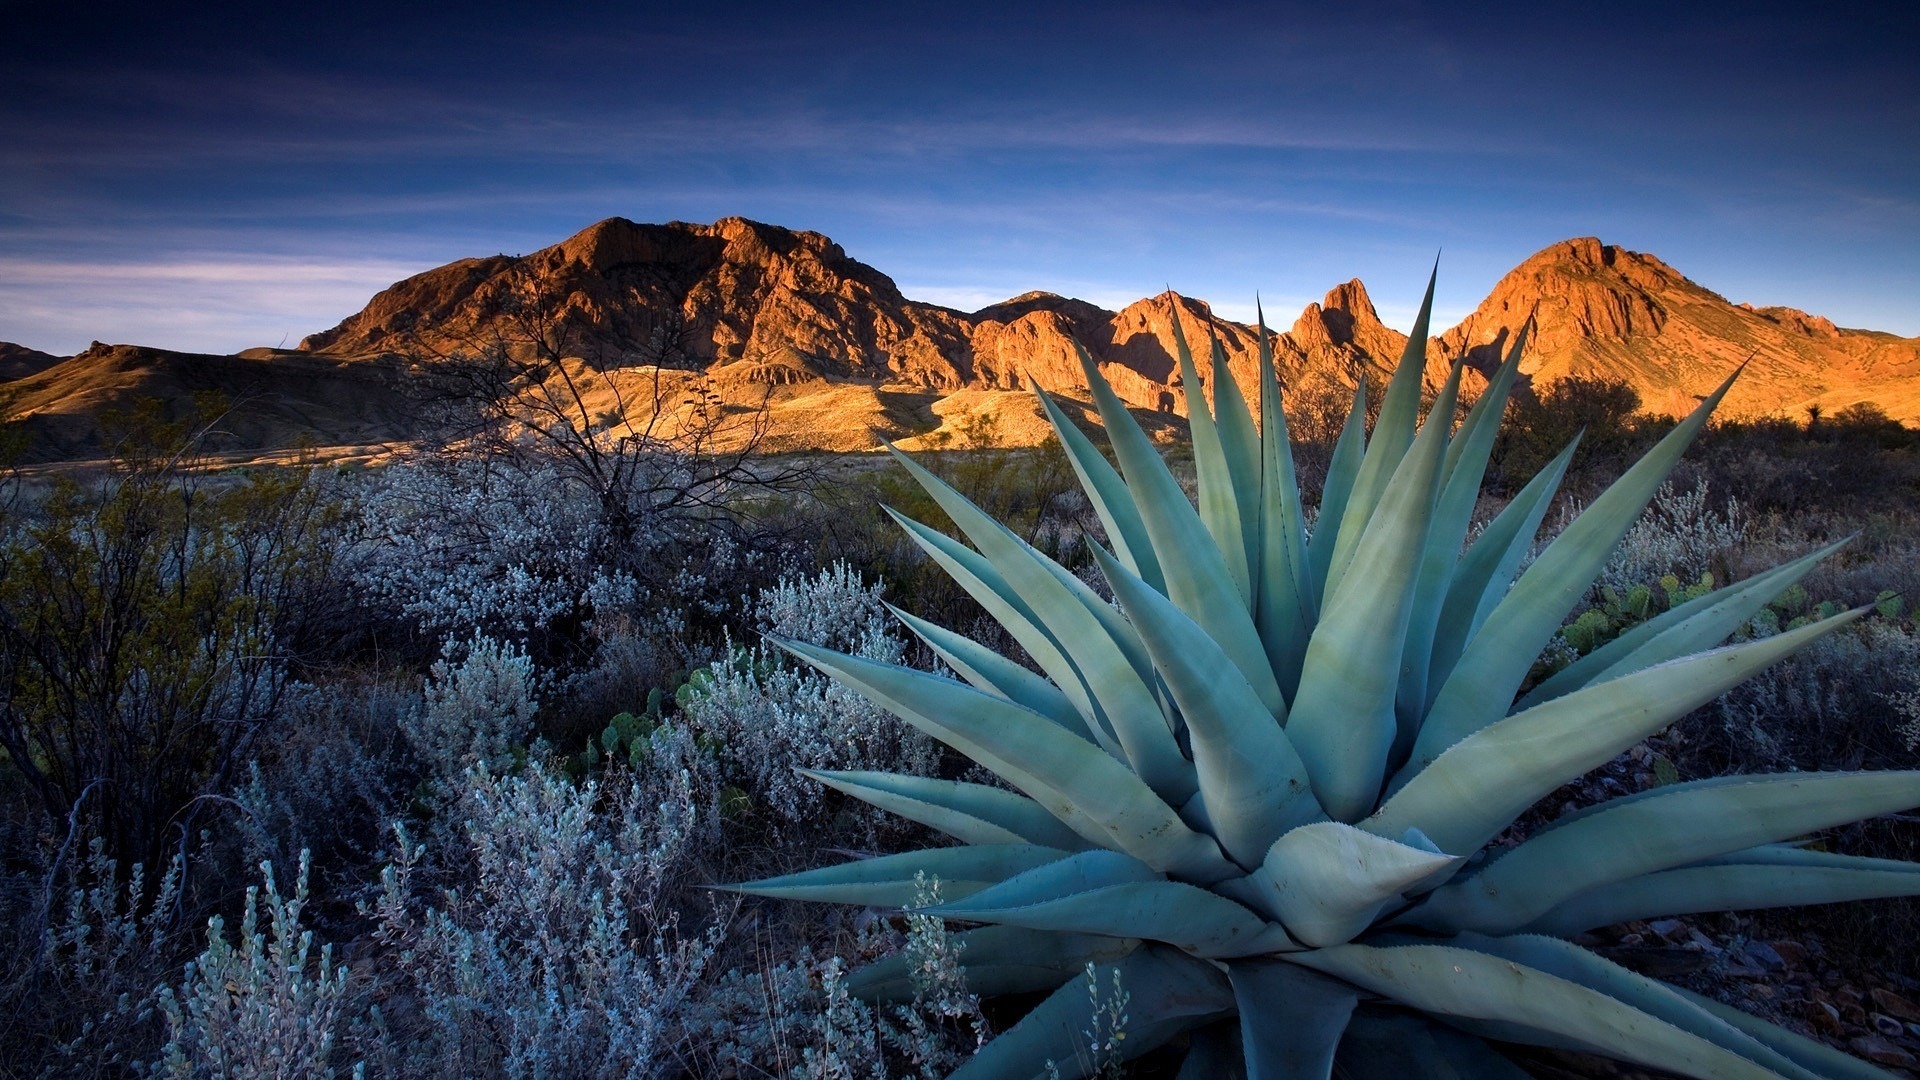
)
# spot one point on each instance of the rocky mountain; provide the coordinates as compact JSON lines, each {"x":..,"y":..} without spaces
{"x":748,"y":314}
{"x":1605,"y":312}
{"x":18,"y":361}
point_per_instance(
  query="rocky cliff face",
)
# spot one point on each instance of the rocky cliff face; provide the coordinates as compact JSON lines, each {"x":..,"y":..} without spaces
{"x":756,"y":315}
{"x":757,"y":304}
{"x":1604,"y":312}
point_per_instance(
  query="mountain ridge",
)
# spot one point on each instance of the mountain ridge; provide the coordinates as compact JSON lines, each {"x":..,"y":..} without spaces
{"x":756,"y":312}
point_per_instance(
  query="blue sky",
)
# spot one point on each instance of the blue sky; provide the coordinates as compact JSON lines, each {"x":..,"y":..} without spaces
{"x":217,"y":179}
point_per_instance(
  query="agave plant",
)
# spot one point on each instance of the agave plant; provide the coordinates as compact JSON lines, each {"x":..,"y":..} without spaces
{"x":1262,"y":785}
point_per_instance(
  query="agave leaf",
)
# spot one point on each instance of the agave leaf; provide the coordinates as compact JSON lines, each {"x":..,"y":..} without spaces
{"x":1099,"y":642}
{"x":1700,"y":623}
{"x":1481,"y":686}
{"x":1197,"y":579}
{"x":1656,"y":830}
{"x":989,"y":671}
{"x":1481,"y":577}
{"x":1396,"y":1046}
{"x":1241,"y":445}
{"x":1732,"y":883}
{"x":1169,"y":993}
{"x":1342,"y":720}
{"x":1818,"y":1058}
{"x":1095,"y":795}
{"x":1458,"y":982}
{"x":1392,"y":437}
{"x":973,"y":813}
{"x":982,"y":582}
{"x":1487,"y":780}
{"x":1109,"y":495}
{"x":1186,"y":916}
{"x":1214,"y":1054}
{"x":1326,"y":882}
{"x":1291,"y":1018}
{"x":1342,"y":467}
{"x":1286,"y":606}
{"x":1465,"y":467}
{"x":998,"y":960}
{"x":1253,"y":784}
{"x":888,"y":880}
{"x":1570,"y":962}
{"x":1083,"y":870}
{"x":1220,"y":505}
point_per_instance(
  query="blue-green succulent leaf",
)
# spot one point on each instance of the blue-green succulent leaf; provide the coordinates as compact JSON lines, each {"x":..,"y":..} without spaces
{"x":1577,"y":965}
{"x":1197,"y":579}
{"x":982,"y":582}
{"x":888,"y":880}
{"x":1342,"y":721}
{"x":1451,"y":981}
{"x":1465,"y":467}
{"x":989,"y":671}
{"x":1169,"y":993}
{"x":1109,"y":495}
{"x":1220,"y":504}
{"x":974,"y":813}
{"x":1095,"y":795}
{"x":1818,"y":1058}
{"x":1287,"y":606}
{"x":1190,"y":918}
{"x":1481,"y":578}
{"x":1487,"y":780}
{"x":1481,"y":687}
{"x":1392,"y":436}
{"x":1335,"y":493}
{"x":1327,"y":882}
{"x":1743,"y":881}
{"x":998,"y":960}
{"x":1098,"y":641}
{"x":1700,"y":623}
{"x":1291,"y":1018}
{"x":1656,"y":830}
{"x":1253,"y":784}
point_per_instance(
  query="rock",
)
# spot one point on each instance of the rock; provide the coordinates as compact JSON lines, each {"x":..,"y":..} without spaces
{"x":1887,"y":1025}
{"x":1881,"y":1052}
{"x":1825,"y":1017}
{"x":1764,"y":955}
{"x":1893,"y":1004}
{"x":1792,"y":952}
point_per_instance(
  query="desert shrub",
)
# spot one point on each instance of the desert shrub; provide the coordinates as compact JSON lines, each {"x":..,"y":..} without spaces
{"x":796,"y":1017}
{"x":478,"y":707}
{"x":148,"y":622}
{"x":333,"y":774}
{"x":1605,"y":414}
{"x":261,"y":1005}
{"x":1831,"y":706}
{"x":1684,"y":534}
{"x":458,"y":546}
{"x":87,"y":946}
{"x":558,"y":950}
{"x":771,"y":715}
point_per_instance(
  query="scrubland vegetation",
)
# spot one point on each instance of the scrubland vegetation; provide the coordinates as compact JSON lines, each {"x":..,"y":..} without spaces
{"x":428,"y":770}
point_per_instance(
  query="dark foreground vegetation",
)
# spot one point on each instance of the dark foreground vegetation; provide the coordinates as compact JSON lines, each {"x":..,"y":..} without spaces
{"x":426,"y":771}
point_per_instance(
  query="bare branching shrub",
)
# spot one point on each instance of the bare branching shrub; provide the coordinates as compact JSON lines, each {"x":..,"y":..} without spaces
{"x":147,"y":623}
